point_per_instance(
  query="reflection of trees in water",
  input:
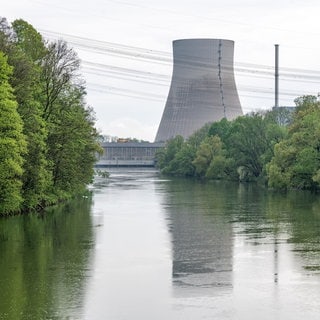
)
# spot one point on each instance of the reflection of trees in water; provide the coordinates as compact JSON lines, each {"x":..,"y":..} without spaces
{"x":203,"y":218}
{"x":288,"y":217}
{"x":201,"y":234}
{"x":298,"y":213}
{"x":44,"y":262}
{"x":292,"y":217}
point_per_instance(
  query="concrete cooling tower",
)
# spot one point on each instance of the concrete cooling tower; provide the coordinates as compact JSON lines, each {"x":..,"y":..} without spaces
{"x":202,"y":88}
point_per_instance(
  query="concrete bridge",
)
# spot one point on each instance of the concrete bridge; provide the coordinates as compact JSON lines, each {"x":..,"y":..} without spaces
{"x":128,"y":154}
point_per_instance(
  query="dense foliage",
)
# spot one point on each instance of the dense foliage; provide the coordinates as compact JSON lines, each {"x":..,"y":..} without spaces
{"x":280,"y":148}
{"x":296,"y":161}
{"x":47,"y":136}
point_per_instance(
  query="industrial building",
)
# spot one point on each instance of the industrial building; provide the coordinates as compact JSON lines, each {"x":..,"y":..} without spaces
{"x":203,"y":87}
{"x":202,"y":90}
{"x":128,"y":154}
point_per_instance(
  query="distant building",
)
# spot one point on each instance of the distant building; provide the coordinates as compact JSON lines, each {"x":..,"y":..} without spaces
{"x":202,"y":88}
{"x":128,"y":154}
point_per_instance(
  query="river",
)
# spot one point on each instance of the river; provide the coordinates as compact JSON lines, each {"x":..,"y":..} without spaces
{"x":144,"y":247}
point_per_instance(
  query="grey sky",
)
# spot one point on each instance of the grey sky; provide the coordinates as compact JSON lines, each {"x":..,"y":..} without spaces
{"x":127,"y":86}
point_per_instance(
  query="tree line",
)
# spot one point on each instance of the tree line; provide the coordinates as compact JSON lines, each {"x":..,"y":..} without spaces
{"x":48,"y":139}
{"x":280,"y":148}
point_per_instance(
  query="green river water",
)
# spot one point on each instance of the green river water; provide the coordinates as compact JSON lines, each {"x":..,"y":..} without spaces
{"x":145,"y":247}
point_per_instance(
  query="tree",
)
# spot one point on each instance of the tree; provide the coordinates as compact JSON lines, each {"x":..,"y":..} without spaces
{"x":178,"y":155}
{"x":210,"y":160}
{"x":72,"y":138}
{"x":198,"y":136}
{"x":72,"y":143}
{"x":296,"y":161}
{"x":282,"y":116}
{"x":166,"y":155}
{"x":209,"y":147}
{"x":12,"y":144}
{"x":250,"y":142}
{"x":59,"y":69}
{"x":29,"y":40}
{"x":57,"y":125}
{"x":182,"y":163}
{"x":6,"y":34}
{"x":29,"y":49}
{"x":221,"y":128}
{"x":277,"y":169}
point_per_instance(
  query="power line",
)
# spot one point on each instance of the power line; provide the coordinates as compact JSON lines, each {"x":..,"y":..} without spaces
{"x":156,"y":57}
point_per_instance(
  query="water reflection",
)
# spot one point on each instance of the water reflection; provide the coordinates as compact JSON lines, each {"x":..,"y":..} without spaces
{"x":131,"y":278}
{"x":254,"y":246}
{"x":300,"y":218}
{"x":147,"y":247}
{"x":202,"y":237}
{"x":290,"y":219}
{"x":44,"y":262}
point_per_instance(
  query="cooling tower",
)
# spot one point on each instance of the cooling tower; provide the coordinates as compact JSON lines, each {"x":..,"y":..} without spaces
{"x":202,"y":87}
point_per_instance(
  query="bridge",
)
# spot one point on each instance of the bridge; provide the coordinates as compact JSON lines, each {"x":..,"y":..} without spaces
{"x":128,"y":154}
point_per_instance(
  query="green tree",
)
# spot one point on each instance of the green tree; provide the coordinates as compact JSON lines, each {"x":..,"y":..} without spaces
{"x":277,"y":169}
{"x":57,"y":124}
{"x":198,"y":136}
{"x":60,"y":68}
{"x":72,"y":143}
{"x":6,"y":35}
{"x":182,"y":163}
{"x":221,"y":128}
{"x":29,"y":40}
{"x":165,"y":156}
{"x":178,"y":155}
{"x":12,"y":144}
{"x":282,"y":116}
{"x":296,"y":160}
{"x":209,"y":147}
{"x":210,"y":160}
{"x":72,"y":138}
{"x":26,"y":59}
{"x":250,"y":143}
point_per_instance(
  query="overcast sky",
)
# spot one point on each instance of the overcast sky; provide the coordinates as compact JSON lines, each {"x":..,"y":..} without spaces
{"x":126,"y":50}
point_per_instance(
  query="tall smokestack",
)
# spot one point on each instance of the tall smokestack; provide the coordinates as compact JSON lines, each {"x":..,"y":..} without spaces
{"x":276,"y":77}
{"x":202,"y":88}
